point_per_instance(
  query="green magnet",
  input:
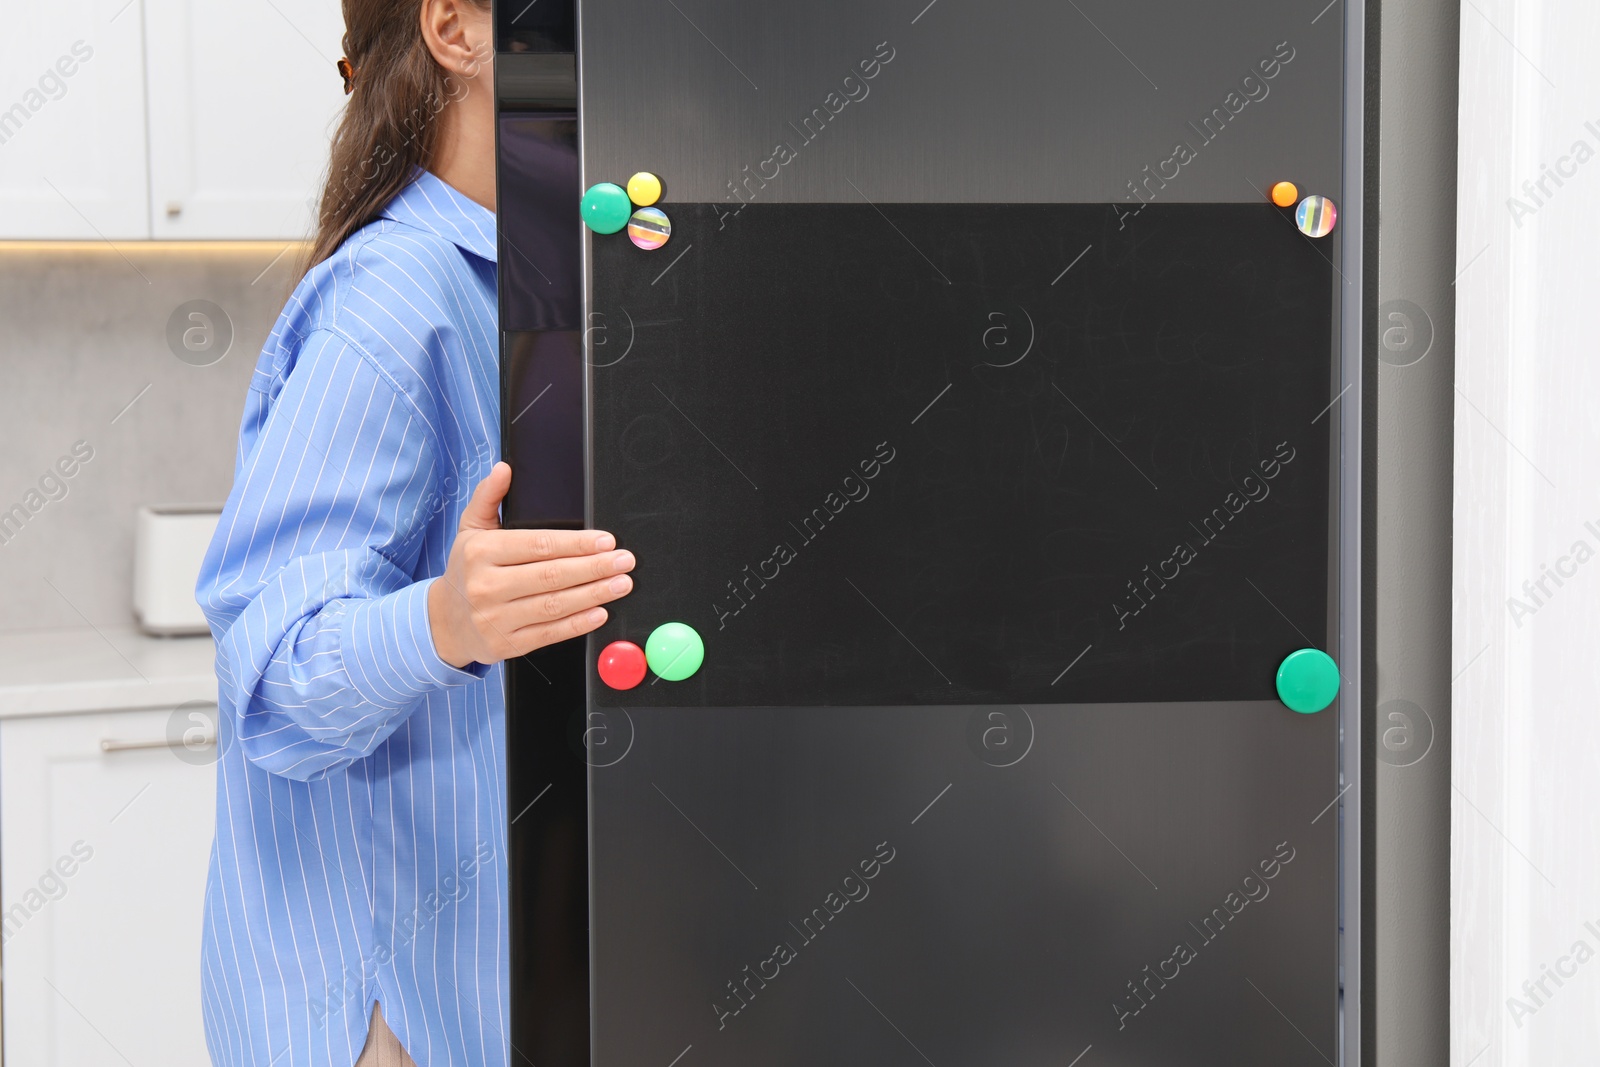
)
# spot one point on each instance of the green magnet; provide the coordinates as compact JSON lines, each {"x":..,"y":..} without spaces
{"x":1308,"y":680}
{"x":605,"y":207}
{"x":674,"y":651}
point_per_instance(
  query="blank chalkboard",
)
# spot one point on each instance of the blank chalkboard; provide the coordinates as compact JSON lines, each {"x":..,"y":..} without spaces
{"x":964,"y":453}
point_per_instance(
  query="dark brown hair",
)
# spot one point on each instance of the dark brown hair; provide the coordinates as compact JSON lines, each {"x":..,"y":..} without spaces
{"x":389,"y":126}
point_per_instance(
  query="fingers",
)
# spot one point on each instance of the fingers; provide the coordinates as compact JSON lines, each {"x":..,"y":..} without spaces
{"x":483,"y":510}
{"x":541,"y":634}
{"x":512,"y":547}
{"x":557,"y":605}
{"x":513,"y":627}
{"x":531,"y":579}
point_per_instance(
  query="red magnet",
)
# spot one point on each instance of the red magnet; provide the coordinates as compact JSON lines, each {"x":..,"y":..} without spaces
{"x":622,"y":665}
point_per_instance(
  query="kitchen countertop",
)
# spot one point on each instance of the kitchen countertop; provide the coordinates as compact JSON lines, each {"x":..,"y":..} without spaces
{"x":54,"y":672}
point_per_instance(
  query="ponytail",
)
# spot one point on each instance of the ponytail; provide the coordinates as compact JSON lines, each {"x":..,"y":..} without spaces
{"x":389,"y":127}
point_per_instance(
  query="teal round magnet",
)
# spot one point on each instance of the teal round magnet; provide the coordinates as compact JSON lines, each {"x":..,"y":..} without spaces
{"x":674,"y":651}
{"x":1308,"y":680}
{"x":605,"y":207}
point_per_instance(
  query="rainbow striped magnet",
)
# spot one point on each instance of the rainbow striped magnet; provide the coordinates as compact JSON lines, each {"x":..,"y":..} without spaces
{"x":649,"y":228}
{"x":1315,"y":216}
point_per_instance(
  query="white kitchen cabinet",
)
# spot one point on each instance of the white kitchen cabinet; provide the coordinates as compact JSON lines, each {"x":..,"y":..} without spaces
{"x":103,"y":860}
{"x":180,"y":119}
{"x":72,"y":121}
{"x":243,"y":100}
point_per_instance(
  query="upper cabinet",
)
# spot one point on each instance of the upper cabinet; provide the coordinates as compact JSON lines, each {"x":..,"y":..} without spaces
{"x":243,"y":99}
{"x":179,"y":119}
{"x":72,"y":129}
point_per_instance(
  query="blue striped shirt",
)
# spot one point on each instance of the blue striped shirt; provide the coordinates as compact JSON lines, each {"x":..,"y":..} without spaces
{"x":360,"y":851}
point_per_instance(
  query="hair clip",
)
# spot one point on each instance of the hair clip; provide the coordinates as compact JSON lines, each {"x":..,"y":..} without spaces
{"x":348,"y":73}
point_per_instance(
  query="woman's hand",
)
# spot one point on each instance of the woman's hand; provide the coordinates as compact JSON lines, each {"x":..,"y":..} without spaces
{"x":507,"y":592}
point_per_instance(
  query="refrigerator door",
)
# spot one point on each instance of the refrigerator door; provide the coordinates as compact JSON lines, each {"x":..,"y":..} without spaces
{"x":980,"y":413}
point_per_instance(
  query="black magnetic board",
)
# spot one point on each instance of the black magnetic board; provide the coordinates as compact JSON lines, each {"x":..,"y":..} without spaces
{"x":1096,"y":470}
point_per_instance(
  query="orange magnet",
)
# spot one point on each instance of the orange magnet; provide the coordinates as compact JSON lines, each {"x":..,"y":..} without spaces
{"x":1284,"y":194}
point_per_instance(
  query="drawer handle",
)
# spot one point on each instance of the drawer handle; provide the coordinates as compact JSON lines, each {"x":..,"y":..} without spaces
{"x":109,"y":744}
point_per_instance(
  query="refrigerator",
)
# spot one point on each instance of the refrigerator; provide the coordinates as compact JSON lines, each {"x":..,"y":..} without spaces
{"x":982,"y":392}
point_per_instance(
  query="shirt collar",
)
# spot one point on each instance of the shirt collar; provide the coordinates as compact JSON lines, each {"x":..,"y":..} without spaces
{"x":430,"y":204}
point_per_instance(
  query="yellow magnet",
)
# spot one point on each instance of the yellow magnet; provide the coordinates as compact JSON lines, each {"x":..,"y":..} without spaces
{"x":644,"y":188}
{"x":1284,"y":194}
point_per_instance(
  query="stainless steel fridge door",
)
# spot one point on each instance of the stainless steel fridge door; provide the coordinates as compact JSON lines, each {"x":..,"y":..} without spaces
{"x":995,"y":431}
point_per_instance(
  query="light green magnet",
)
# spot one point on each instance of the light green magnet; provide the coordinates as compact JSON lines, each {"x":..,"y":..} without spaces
{"x":674,"y":651}
{"x":1308,"y":680}
{"x":605,"y":207}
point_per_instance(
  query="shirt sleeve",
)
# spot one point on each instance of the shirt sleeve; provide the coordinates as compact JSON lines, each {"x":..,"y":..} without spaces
{"x":323,"y":640}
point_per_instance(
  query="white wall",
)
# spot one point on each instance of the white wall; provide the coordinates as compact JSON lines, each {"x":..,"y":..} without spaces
{"x":1525,"y":864}
{"x":83,"y":331}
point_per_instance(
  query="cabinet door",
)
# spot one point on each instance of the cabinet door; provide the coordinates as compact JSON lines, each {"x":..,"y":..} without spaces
{"x":72,"y":130}
{"x":102,"y":877}
{"x":243,"y":101}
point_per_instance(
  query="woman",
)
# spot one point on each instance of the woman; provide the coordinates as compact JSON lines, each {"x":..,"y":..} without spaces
{"x":356,"y":900}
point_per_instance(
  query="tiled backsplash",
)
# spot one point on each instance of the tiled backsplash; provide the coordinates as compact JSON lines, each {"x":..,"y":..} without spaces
{"x":83,"y":333}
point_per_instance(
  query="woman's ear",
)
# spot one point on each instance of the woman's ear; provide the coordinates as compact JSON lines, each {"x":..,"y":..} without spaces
{"x":460,"y":35}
